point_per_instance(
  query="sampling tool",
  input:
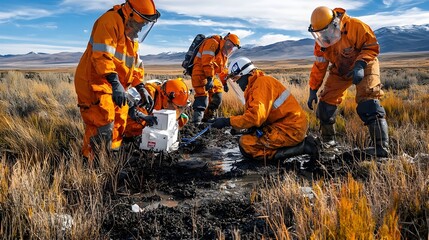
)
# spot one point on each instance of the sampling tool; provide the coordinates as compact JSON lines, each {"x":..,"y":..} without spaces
{"x":186,"y":141}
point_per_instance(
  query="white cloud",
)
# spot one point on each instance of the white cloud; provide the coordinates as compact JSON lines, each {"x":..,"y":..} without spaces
{"x":17,"y":48}
{"x":392,"y":3}
{"x":90,"y":5}
{"x":38,"y":26}
{"x":24,"y":13}
{"x":198,"y":22}
{"x":398,"y":18}
{"x":270,"y":39}
{"x":288,"y":15}
{"x":146,"y":49}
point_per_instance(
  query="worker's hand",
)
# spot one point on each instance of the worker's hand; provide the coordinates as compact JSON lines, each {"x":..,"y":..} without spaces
{"x":146,"y":99}
{"x":312,"y":98}
{"x":138,"y":116}
{"x":358,"y":72}
{"x":150,"y":120}
{"x":209,"y":84}
{"x":220,"y":123}
{"x":118,"y":92}
{"x":225,"y":87}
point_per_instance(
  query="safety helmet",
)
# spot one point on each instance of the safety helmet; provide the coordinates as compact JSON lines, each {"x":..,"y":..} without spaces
{"x":325,"y":26}
{"x":141,"y":16}
{"x":231,"y":44}
{"x":240,"y":66}
{"x":321,"y":17}
{"x":233,"y":38}
{"x":176,"y":91}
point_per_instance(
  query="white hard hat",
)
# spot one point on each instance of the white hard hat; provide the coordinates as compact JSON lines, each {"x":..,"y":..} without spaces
{"x":240,"y":66}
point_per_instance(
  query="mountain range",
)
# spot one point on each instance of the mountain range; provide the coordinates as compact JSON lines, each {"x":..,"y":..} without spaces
{"x":411,"y":38}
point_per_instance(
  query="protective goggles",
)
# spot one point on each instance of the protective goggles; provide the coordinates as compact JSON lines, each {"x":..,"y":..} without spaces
{"x":329,"y":35}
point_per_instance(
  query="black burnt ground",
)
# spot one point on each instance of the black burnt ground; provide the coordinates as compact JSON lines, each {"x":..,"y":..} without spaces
{"x":186,"y":195}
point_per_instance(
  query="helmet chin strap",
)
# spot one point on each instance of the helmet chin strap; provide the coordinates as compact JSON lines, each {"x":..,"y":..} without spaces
{"x":243,"y":81}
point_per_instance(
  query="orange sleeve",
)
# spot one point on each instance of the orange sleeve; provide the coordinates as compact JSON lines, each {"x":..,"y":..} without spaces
{"x":208,"y":56}
{"x":105,"y":38}
{"x":138,"y":72}
{"x":151,"y":89}
{"x":319,"y":68}
{"x":223,"y":76}
{"x":258,"y":105}
{"x":365,"y":40}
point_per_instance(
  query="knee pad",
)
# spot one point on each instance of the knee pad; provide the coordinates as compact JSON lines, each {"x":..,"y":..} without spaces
{"x":326,"y":113}
{"x":215,"y":101}
{"x":200,"y":103}
{"x":370,"y":110}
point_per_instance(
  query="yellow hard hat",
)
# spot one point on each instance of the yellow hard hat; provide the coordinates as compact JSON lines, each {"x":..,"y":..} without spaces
{"x":176,"y":91}
{"x":320,"y":18}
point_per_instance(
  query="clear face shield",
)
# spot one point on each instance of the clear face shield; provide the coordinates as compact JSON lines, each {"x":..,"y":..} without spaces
{"x":229,"y":48}
{"x":140,"y":29}
{"x":329,"y":35}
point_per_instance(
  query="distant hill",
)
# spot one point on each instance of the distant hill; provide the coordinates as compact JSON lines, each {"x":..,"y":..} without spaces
{"x":412,"y":38}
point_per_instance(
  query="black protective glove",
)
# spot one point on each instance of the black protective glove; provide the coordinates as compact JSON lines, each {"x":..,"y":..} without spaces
{"x":312,"y":98}
{"x":118,"y":92}
{"x":150,"y":119}
{"x":220,"y":122}
{"x":146,"y":99}
{"x":225,"y":87}
{"x":209,"y":84}
{"x":358,"y":72}
{"x":138,"y":116}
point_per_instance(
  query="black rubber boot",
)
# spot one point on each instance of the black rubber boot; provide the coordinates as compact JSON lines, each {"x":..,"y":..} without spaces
{"x":197,"y":117}
{"x":209,"y":115}
{"x":328,"y":135}
{"x":288,"y":152}
{"x":312,"y":147}
{"x":378,"y":130}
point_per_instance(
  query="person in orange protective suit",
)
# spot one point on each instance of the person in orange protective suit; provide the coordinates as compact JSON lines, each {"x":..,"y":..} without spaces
{"x":352,"y":49}
{"x":270,"y":108}
{"x":107,"y":68}
{"x":210,"y":61}
{"x":171,"y":94}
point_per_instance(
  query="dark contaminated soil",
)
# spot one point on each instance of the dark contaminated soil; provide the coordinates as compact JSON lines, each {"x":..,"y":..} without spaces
{"x":201,"y":191}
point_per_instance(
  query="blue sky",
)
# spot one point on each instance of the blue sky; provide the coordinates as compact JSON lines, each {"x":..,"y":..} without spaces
{"x":52,"y":26}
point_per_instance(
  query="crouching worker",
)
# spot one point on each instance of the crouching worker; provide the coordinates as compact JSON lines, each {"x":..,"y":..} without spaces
{"x":171,"y":94}
{"x":279,"y":121}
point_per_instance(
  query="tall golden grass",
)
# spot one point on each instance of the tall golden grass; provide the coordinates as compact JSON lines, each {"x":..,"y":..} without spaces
{"x":47,"y":193}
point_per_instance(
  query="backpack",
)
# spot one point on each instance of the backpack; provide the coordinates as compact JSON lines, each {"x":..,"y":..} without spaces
{"x":188,"y":63}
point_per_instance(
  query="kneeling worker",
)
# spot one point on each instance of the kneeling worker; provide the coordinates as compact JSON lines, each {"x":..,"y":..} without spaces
{"x":280,"y":122}
{"x":171,"y":94}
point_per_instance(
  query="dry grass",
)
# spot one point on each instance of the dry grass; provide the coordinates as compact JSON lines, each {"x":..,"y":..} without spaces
{"x":43,"y":185}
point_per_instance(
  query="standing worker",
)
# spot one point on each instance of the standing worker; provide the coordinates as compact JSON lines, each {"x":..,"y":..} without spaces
{"x":107,"y":68}
{"x":210,"y":61}
{"x":279,"y":121}
{"x":352,"y":49}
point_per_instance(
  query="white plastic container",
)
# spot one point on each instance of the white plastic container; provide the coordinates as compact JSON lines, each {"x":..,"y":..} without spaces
{"x":160,"y":140}
{"x":166,"y":119}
